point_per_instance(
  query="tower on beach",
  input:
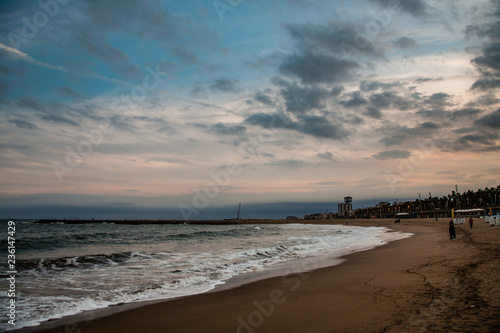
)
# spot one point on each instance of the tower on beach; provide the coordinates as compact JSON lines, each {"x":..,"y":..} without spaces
{"x":345,"y":209}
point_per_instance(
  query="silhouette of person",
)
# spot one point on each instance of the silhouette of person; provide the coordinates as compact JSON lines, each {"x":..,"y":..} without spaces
{"x":471,"y":221}
{"x":452,"y":230}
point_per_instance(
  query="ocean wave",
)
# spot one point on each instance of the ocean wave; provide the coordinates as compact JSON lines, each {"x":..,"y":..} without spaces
{"x":83,"y":262}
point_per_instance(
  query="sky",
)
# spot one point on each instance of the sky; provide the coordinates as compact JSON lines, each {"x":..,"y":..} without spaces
{"x":177,"y":109}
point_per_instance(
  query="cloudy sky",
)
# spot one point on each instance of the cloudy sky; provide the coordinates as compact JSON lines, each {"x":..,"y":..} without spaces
{"x":193,"y":105}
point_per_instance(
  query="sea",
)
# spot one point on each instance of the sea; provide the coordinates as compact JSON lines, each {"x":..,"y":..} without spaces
{"x":66,"y":269}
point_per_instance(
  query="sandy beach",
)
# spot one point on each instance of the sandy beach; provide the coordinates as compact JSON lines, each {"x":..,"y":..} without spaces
{"x":422,"y":283}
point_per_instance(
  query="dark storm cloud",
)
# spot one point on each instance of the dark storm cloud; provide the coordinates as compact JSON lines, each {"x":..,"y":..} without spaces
{"x":289,"y":163}
{"x":395,"y":139}
{"x":486,"y":83}
{"x":270,"y":121}
{"x":224,"y":84}
{"x":279,"y":81}
{"x":224,"y":129}
{"x":122,"y":123}
{"x":373,"y":112}
{"x":302,"y":99}
{"x":197,"y":90}
{"x":416,"y":8}
{"x":434,"y":113}
{"x":13,"y":146}
{"x":61,"y":113}
{"x":356,"y":99}
{"x":167,"y":130}
{"x":388,"y":99}
{"x":465,"y":112}
{"x":336,"y":91}
{"x":427,"y":79}
{"x":321,"y":127}
{"x":169,"y":160}
{"x":317,"y":68}
{"x":425,"y":128}
{"x":376,"y":102}
{"x":416,"y":95}
{"x":335,"y":38}
{"x":488,"y":62}
{"x":475,"y":30}
{"x":383,"y":100}
{"x":400,"y":134}
{"x":487,"y":140}
{"x":487,"y":100}
{"x":494,"y":148}
{"x":405,"y":43}
{"x":155,"y":120}
{"x":435,"y":105}
{"x":58,"y":119}
{"x":391,"y":154}
{"x":477,"y":142}
{"x":317,"y":126}
{"x":327,"y":156}
{"x":344,"y":118}
{"x":86,"y":110}
{"x":438,"y":100}
{"x":491,"y":120}
{"x":263,"y":98}
{"x":30,"y":103}
{"x":326,"y":53}
{"x":23,"y":124}
{"x":375,"y":85}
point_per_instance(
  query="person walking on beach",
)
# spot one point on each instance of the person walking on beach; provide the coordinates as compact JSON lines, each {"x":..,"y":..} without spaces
{"x":471,"y":221}
{"x":452,"y":230}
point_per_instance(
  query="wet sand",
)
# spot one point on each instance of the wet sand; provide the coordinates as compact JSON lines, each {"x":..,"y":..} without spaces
{"x":422,"y":283}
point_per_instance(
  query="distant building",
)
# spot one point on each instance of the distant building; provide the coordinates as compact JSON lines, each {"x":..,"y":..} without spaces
{"x":319,"y":216}
{"x":345,"y":209}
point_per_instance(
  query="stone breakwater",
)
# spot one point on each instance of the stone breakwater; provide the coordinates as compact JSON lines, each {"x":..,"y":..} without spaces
{"x":209,"y":222}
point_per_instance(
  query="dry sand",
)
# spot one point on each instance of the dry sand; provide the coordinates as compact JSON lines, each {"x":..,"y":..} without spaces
{"x":422,"y":283}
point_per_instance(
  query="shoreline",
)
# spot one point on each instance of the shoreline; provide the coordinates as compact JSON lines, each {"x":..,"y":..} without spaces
{"x":299,"y":265}
{"x":246,"y":306}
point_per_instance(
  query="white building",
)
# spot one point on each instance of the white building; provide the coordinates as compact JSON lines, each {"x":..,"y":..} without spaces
{"x":345,"y":209}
